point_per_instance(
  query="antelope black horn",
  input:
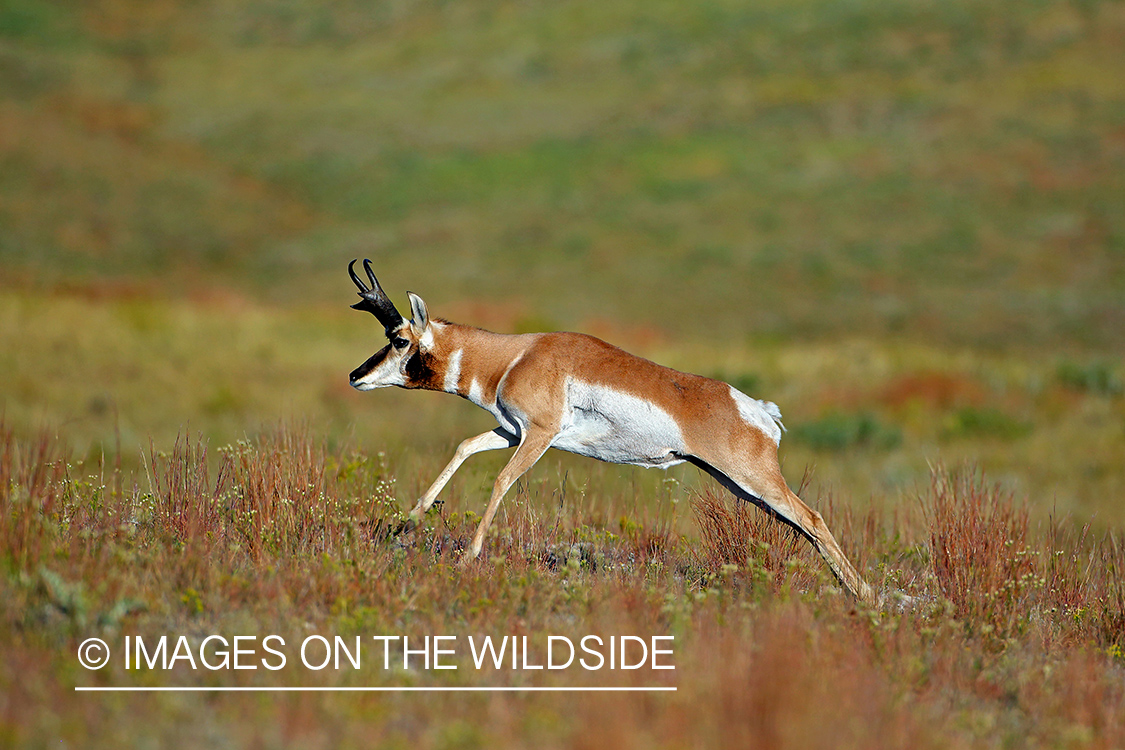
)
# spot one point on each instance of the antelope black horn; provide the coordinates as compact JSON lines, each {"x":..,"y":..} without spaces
{"x":374,"y":299}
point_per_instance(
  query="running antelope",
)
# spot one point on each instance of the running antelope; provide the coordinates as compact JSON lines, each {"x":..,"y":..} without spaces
{"x":579,"y":394}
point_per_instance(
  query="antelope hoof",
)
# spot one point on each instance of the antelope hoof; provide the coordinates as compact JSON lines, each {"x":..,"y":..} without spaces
{"x":900,"y":602}
{"x":468,"y":558}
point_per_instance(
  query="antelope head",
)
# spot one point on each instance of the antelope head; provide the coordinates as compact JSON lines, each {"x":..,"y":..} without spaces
{"x":403,"y":361}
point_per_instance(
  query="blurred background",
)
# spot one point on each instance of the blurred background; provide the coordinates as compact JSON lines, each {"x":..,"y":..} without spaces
{"x":902,"y":220}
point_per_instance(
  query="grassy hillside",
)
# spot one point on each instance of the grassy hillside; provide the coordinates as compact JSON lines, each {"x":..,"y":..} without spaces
{"x":942,"y":171}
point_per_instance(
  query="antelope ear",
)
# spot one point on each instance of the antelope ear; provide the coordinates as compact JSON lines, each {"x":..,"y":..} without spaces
{"x":421,"y":318}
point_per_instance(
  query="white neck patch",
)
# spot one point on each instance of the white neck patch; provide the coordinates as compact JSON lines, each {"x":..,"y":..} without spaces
{"x":476,"y":394}
{"x":453,"y":372}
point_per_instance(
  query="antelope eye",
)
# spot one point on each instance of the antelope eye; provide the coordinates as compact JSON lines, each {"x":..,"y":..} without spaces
{"x":399,"y":343}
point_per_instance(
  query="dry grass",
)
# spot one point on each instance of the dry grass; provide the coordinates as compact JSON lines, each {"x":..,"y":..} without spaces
{"x":1020,"y":641}
{"x":751,"y":546}
{"x":1004,"y":581}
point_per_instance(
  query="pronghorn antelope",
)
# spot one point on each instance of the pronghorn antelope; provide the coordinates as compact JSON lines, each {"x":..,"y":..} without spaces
{"x":579,"y":394}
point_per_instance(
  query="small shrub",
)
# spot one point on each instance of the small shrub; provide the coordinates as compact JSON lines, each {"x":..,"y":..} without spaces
{"x":838,"y":432}
{"x":758,"y":549}
{"x":980,"y":554}
{"x":1094,"y":377}
{"x":31,"y":494}
{"x":182,"y":494}
{"x":984,"y":422}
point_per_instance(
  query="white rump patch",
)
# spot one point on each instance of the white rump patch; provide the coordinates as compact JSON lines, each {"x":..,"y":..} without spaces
{"x":453,"y":372}
{"x":618,"y":427}
{"x":765,"y":415}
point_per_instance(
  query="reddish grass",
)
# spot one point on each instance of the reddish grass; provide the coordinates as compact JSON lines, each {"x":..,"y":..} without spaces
{"x":979,"y":546}
{"x":32,"y":482}
{"x":750,"y":545}
{"x":1018,"y":640}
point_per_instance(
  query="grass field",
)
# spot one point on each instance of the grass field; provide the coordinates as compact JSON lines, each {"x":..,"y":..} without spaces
{"x":1019,"y":642}
{"x":901,"y":221}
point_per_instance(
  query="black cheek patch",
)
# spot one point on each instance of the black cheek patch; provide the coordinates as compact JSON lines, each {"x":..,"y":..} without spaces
{"x":419,"y":371}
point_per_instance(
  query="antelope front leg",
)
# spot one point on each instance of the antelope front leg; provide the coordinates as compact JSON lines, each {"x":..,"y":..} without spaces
{"x":533,"y":446}
{"x":488,"y":441}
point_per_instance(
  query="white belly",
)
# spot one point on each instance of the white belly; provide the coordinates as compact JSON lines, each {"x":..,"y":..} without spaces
{"x":609,"y":425}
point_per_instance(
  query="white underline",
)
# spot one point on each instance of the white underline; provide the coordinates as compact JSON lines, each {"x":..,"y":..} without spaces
{"x":449,"y":689}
